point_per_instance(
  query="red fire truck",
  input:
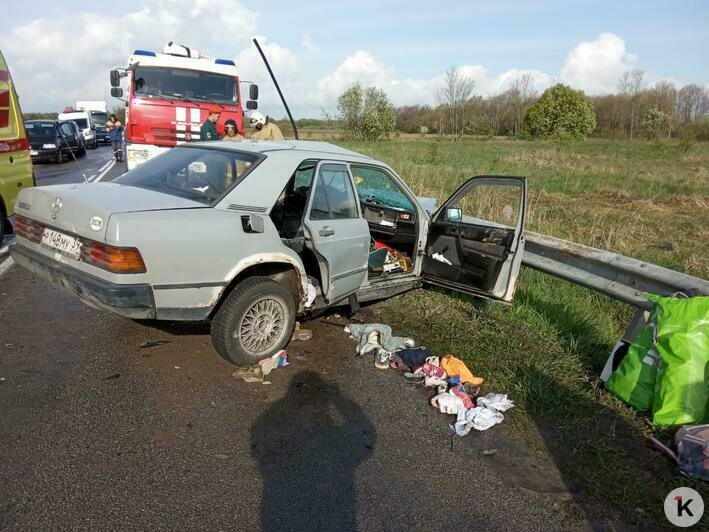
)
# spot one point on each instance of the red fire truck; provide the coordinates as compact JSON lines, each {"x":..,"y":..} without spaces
{"x":168,"y":96}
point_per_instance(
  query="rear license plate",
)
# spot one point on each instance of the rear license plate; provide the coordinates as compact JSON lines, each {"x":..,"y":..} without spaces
{"x":33,"y":152}
{"x":64,"y":243}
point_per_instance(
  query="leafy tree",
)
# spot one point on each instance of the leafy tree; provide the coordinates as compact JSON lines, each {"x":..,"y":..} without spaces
{"x":656,"y":123}
{"x":561,"y":112}
{"x":366,"y":114}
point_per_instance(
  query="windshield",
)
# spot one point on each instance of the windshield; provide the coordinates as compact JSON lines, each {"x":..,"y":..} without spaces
{"x":40,"y":129}
{"x":99,"y":119}
{"x":200,"y":174}
{"x":185,"y":84}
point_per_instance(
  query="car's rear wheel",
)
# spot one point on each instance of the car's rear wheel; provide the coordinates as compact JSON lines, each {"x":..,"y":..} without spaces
{"x":255,"y":321}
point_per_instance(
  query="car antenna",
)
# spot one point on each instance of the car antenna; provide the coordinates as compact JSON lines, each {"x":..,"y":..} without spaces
{"x":268,"y":67}
{"x":83,"y":174}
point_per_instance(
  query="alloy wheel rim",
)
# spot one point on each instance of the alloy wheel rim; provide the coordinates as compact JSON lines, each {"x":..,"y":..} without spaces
{"x":262,"y":325}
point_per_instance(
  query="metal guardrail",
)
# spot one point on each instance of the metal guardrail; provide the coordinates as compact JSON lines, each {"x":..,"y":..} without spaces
{"x":622,"y":278}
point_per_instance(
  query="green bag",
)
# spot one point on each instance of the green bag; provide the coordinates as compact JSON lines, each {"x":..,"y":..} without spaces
{"x":682,"y":341}
{"x":634,"y":379}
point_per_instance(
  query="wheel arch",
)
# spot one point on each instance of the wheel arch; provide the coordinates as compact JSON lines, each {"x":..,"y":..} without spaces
{"x":279,"y":267}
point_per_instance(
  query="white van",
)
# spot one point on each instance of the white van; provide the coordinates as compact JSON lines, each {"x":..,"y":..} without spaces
{"x":88,"y":128}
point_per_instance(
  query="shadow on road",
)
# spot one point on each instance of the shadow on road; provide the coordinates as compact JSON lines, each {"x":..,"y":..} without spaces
{"x":307,"y":446}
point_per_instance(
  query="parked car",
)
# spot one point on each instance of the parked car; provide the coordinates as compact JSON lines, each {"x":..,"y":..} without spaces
{"x":245,"y":234}
{"x":80,"y":138}
{"x":16,"y":170}
{"x":52,"y":140}
{"x":85,"y":122}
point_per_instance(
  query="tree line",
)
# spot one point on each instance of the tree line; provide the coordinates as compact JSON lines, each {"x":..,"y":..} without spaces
{"x":636,"y":110}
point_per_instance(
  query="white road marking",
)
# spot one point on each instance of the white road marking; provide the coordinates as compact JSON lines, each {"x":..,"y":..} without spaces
{"x":4,"y":266}
{"x":105,"y":171}
{"x":105,"y":165}
{"x":91,"y":178}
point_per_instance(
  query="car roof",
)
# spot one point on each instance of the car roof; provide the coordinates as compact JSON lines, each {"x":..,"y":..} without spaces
{"x":307,"y":148}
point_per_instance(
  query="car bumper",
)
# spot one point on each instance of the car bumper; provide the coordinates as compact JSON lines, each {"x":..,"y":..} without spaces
{"x":131,"y":300}
{"x":44,"y":155}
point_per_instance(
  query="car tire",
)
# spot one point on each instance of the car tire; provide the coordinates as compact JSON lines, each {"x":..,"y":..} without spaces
{"x":256,"y":321}
{"x":2,"y":227}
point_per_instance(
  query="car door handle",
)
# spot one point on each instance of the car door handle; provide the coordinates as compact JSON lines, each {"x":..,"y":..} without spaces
{"x":326,"y":231}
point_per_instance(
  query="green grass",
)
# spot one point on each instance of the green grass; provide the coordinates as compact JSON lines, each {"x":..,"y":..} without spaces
{"x":642,"y":199}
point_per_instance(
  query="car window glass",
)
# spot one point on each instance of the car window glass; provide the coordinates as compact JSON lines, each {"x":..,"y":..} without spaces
{"x":67,"y":129}
{"x":377,"y":186}
{"x":334,"y":197}
{"x":195,"y":173}
{"x":496,"y":204}
{"x":39,"y":129}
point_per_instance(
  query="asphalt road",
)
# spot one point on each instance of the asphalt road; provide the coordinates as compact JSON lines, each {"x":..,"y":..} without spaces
{"x":99,"y":433}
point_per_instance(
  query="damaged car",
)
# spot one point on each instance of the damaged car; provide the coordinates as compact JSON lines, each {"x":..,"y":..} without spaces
{"x":249,"y":235}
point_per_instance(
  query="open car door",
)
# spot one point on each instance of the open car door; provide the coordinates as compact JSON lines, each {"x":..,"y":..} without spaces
{"x":336,"y":232}
{"x":476,"y":238}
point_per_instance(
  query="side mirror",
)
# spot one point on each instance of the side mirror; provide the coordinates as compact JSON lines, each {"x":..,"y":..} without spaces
{"x":116,"y":92}
{"x":115,"y":78}
{"x":253,"y":92}
{"x":454,"y":214}
{"x":251,"y":105}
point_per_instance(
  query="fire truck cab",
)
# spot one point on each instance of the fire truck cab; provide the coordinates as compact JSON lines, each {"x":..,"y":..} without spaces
{"x":168,"y":95}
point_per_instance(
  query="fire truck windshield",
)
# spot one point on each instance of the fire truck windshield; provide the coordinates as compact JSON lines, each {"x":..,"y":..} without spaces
{"x":177,"y":83}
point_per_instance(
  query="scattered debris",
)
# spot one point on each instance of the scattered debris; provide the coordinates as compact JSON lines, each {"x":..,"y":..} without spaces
{"x":153,"y":343}
{"x":177,"y":367}
{"x":456,"y":386}
{"x":302,"y":335}
{"x":488,"y":452}
{"x":257,"y":372}
{"x":111,"y":377}
{"x":221,"y":456}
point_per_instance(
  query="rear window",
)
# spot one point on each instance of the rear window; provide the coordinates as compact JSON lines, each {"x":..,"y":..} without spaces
{"x":81,"y":122}
{"x":200,"y":174}
{"x":40,"y":129}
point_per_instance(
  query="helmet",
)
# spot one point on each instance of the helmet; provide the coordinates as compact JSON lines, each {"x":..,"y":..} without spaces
{"x":257,"y":118}
{"x":215,"y":109}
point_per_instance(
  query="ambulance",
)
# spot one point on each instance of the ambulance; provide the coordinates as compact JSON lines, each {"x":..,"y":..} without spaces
{"x":168,"y":97}
{"x":15,"y":164}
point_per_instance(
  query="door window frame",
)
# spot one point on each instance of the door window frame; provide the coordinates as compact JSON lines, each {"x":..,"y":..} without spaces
{"x":314,"y":187}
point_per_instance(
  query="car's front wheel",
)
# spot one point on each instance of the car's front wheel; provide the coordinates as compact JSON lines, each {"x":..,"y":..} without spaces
{"x":255,"y":321}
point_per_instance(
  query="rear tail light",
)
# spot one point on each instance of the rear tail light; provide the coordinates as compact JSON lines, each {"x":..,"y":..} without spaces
{"x":112,"y":259}
{"x":28,"y":229}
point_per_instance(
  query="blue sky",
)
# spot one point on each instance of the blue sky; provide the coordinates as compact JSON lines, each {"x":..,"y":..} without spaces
{"x":318,"y":48}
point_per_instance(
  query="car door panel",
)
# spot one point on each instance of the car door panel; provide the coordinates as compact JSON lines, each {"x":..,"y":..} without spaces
{"x":336,"y":231}
{"x":471,"y":254}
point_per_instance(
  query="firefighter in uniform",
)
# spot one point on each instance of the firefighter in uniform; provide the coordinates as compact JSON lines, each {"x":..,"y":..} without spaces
{"x":264,"y":130}
{"x":208,"y":131}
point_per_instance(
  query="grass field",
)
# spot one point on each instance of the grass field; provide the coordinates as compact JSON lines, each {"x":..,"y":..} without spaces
{"x":642,"y":199}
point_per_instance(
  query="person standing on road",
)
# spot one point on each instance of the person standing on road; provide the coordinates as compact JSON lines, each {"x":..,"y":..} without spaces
{"x":231,"y":132}
{"x":264,"y":128}
{"x":208,"y":131}
{"x":115,"y":128}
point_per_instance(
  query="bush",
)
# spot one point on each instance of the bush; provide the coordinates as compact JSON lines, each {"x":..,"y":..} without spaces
{"x":563,"y":113}
{"x":656,"y":123}
{"x":696,"y":131}
{"x":366,"y":114}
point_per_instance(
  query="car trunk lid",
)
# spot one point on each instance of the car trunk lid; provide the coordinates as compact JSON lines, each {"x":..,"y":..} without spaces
{"x":84,"y":209}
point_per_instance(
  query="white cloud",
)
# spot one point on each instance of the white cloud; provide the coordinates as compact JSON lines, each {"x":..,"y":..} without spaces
{"x":48,"y":79}
{"x":596,"y":66}
{"x":55,"y":62}
{"x":309,"y":45}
